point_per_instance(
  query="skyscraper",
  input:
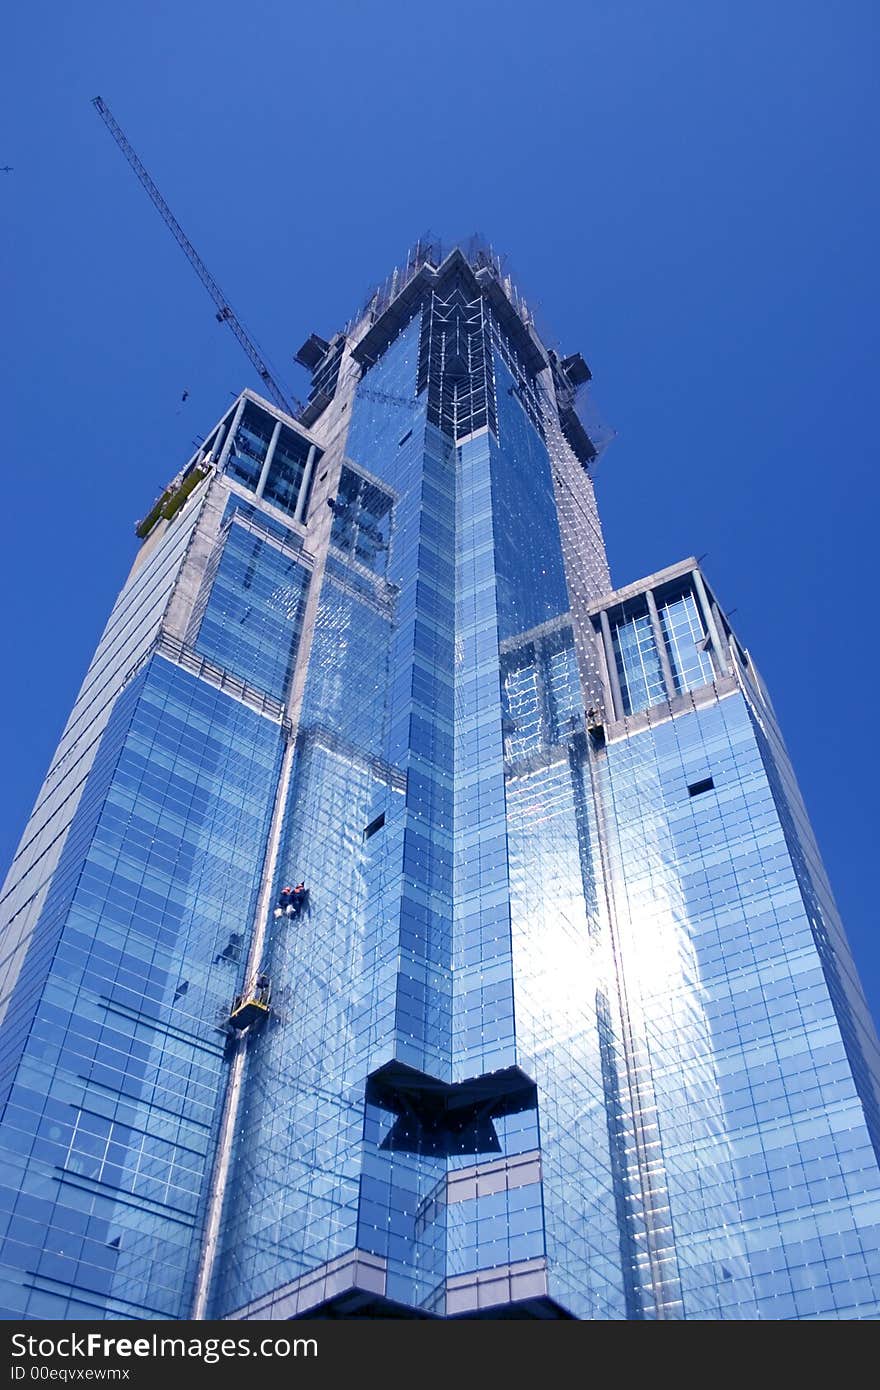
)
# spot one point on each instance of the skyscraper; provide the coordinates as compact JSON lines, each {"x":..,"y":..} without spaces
{"x":565,"y":1024}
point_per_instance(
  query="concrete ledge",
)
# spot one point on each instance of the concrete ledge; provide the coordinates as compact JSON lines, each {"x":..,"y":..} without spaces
{"x":488,"y":1288}
{"x":356,"y":1271}
{"x":687,"y":703}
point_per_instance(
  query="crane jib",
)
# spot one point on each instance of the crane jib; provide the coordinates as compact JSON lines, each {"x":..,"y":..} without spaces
{"x":225,"y":314}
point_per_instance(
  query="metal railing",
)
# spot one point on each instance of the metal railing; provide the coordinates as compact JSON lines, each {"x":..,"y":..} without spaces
{"x":188,"y":659}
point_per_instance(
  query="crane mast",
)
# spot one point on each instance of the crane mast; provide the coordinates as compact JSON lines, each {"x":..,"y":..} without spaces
{"x":225,"y":313}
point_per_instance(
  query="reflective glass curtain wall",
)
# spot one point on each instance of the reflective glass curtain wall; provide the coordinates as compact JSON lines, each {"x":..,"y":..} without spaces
{"x":567,"y":1027}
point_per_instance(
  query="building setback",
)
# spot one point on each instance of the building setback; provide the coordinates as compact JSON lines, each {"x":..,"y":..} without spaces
{"x":566,"y":1024}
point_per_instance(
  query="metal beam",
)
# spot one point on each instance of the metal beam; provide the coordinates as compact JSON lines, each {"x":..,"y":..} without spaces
{"x":226,"y":1139}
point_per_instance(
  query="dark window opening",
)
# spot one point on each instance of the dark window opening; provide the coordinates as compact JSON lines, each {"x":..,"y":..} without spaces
{"x":697,"y":788}
{"x":374,"y":825}
{"x":439,"y":1119}
{"x":362,"y":521}
{"x":407,"y":436}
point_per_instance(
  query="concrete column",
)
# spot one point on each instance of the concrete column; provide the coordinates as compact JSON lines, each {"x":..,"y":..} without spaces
{"x":717,"y":653}
{"x":725,"y":645}
{"x":611,"y":666}
{"x":267,"y":461}
{"x":660,"y":644}
{"x":304,"y":485}
{"x":214,"y":443}
{"x":236,"y":421}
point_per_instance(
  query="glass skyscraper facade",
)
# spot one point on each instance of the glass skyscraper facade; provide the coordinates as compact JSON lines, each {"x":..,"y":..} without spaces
{"x":567,"y":1025}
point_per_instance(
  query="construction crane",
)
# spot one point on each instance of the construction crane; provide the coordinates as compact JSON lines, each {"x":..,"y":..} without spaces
{"x":225,"y":313}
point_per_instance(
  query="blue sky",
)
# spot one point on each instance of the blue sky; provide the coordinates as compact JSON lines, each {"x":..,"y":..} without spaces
{"x":686,"y":191}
